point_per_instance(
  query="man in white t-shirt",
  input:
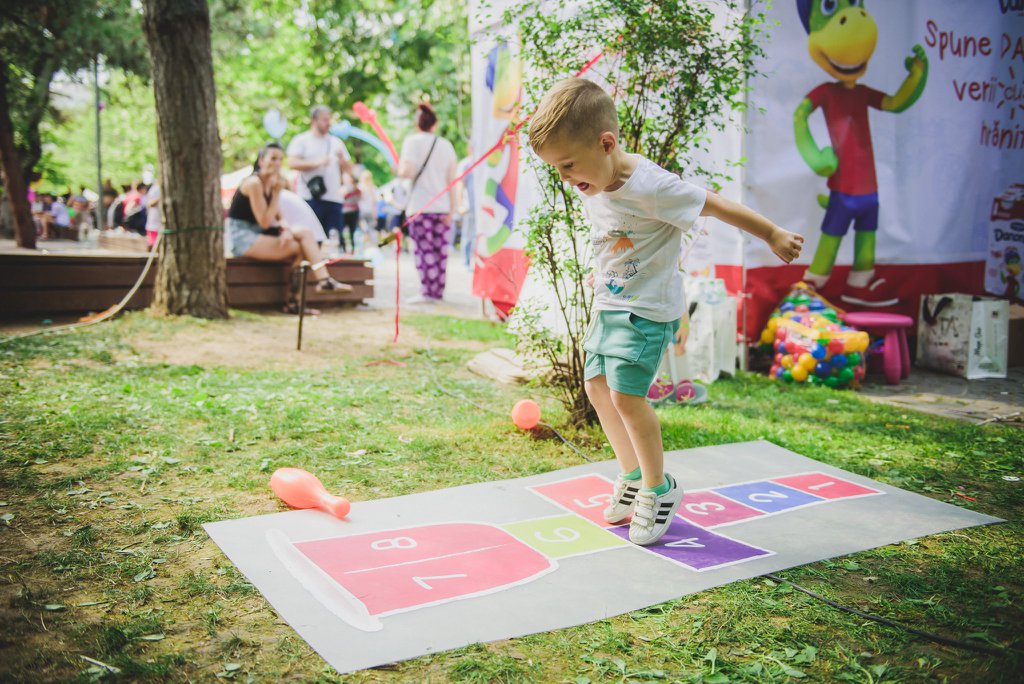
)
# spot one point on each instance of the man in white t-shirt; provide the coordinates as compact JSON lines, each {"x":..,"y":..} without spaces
{"x":320,"y":158}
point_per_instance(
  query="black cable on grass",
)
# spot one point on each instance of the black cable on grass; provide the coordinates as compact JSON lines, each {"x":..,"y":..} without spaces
{"x":946,"y":641}
{"x":437,"y":382}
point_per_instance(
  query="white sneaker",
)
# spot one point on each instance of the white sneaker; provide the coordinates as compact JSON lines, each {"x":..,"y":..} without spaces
{"x":623,"y":499}
{"x":654,"y":513}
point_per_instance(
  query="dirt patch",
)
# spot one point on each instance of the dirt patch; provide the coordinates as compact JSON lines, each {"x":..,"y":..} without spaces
{"x":270,"y":341}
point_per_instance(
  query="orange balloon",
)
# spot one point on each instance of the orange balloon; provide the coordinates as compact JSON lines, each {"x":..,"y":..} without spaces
{"x":526,"y":414}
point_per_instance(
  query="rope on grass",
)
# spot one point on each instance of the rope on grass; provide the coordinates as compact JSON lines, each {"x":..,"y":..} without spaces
{"x":109,"y":313}
{"x":946,"y":641}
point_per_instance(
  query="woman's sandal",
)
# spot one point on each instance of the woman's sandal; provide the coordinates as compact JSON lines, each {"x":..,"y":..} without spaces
{"x":329,"y":284}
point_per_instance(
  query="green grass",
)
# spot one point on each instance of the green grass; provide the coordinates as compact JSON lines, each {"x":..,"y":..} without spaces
{"x":110,"y":463}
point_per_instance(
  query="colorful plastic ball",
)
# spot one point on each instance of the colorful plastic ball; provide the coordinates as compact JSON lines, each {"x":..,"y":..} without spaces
{"x":817,"y":305}
{"x":782,"y":333}
{"x":836,"y":346}
{"x":787,"y":375}
{"x":799,"y":373}
{"x":832,"y":381}
{"x":823,"y":369}
{"x":846,"y":375}
{"x":839,"y":360}
{"x":777,"y":359}
{"x":859,"y":372}
{"x":786,"y":307}
{"x":802,"y":308}
{"x":787,"y":361}
{"x":779,"y":371}
{"x":767,"y":336}
{"x":808,"y":361}
{"x":818,"y":351}
{"x":782,"y":348}
{"x":853,"y":358}
{"x":526,"y":414}
{"x":773,"y":323}
{"x":813,"y":380}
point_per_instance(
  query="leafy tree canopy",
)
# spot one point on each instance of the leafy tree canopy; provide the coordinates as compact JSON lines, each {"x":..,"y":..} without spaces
{"x":288,"y":55}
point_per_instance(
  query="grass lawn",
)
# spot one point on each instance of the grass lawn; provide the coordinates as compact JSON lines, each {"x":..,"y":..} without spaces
{"x":119,"y":441}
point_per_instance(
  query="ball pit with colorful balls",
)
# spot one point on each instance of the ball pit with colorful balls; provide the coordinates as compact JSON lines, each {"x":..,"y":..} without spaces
{"x":811,"y":345}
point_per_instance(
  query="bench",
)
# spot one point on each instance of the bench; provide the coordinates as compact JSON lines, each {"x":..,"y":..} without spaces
{"x":77,"y":283}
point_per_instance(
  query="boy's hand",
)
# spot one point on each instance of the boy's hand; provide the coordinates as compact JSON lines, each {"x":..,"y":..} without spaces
{"x":786,"y":245}
{"x":590,"y":280}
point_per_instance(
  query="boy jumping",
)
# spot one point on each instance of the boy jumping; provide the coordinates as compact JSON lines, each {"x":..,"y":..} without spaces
{"x":638,"y":213}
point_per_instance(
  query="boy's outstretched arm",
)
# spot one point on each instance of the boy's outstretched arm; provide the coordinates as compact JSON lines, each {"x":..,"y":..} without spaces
{"x":784,"y":244}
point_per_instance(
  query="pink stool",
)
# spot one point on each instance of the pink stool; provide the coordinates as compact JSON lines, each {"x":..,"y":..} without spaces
{"x":893,"y":328}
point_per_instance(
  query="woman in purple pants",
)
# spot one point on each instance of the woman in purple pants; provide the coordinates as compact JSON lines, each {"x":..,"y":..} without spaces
{"x":429,"y":161}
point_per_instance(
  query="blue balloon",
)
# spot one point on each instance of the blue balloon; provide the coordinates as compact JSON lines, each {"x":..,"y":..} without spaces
{"x":782,"y":348}
{"x":839,"y":360}
{"x":788,"y":306}
{"x":819,"y":351}
{"x":816,"y":305}
{"x":345,"y":130}
{"x":823,"y":369}
{"x":779,"y":372}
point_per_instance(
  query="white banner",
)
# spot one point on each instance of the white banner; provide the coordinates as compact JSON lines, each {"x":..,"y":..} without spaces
{"x":939,"y":163}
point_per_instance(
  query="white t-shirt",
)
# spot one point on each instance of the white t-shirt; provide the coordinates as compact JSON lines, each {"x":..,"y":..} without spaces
{"x":637,"y":232}
{"x":310,"y":147}
{"x":434,"y":177}
{"x":154,"y":221}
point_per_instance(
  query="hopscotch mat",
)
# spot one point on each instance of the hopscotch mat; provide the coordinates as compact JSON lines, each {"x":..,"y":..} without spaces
{"x":418,"y":574}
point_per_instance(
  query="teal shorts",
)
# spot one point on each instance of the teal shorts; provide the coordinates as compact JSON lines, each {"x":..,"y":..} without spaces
{"x":626,"y":349}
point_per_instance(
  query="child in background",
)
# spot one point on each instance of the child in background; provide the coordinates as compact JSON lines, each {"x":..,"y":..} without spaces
{"x":639,"y":213}
{"x":349,"y":212}
{"x":369,"y":196}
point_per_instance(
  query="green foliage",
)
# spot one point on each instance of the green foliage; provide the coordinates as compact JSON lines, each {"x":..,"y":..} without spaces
{"x":273,"y":54}
{"x":675,"y":73}
{"x":41,"y":39}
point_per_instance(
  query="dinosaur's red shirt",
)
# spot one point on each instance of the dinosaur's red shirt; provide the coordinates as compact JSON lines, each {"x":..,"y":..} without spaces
{"x":846,"y":115}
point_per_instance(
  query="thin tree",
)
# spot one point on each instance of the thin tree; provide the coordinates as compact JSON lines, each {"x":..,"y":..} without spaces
{"x":191,"y":279}
{"x":38,"y":40}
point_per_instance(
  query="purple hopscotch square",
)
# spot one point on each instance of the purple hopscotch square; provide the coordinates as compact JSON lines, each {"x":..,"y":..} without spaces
{"x":697,"y":548}
{"x":770,"y":497}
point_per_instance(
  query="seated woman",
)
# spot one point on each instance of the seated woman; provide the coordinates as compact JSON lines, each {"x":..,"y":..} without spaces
{"x":256,"y":231}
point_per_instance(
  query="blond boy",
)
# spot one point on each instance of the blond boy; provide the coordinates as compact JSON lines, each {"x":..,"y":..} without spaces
{"x":638,"y":214}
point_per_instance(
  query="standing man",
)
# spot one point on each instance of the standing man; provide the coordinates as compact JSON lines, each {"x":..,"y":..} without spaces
{"x":320,"y":158}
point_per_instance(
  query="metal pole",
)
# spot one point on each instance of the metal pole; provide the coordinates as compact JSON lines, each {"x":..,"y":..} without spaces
{"x":304,"y":269}
{"x":99,"y":163}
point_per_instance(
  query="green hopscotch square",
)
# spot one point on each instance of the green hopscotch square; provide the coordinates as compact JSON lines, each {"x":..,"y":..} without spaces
{"x":563,"y":535}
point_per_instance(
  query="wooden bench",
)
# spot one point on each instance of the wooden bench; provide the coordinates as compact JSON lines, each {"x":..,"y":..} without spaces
{"x":65,"y":283}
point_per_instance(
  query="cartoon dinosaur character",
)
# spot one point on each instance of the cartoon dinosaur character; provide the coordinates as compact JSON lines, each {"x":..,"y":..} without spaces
{"x":841,"y":38}
{"x":632,"y":268}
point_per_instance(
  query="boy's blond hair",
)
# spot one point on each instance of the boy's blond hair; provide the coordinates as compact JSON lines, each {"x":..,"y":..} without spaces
{"x":574,"y":107}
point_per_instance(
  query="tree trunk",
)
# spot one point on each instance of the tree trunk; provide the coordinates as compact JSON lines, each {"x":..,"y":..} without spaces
{"x":14,"y":182}
{"x":191,"y":279}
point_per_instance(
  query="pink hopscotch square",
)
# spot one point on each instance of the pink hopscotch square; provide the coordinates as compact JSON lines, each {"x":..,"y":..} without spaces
{"x":586,"y":496}
{"x":825,"y":486}
{"x":708,"y":509}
